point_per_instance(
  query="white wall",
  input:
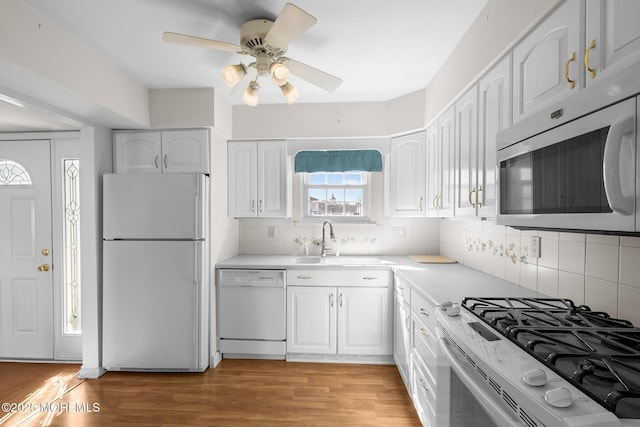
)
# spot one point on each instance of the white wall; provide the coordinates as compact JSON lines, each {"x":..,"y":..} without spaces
{"x":355,"y":119}
{"x":39,"y":61}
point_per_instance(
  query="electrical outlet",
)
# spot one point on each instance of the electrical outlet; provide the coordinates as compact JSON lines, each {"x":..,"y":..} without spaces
{"x":535,"y":247}
{"x":272,"y":231}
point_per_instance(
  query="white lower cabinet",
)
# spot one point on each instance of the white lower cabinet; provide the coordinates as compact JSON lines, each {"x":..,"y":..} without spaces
{"x":339,"y":320}
{"x":402,"y":331}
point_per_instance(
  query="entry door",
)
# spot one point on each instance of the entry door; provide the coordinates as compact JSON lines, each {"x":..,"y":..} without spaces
{"x":26,"y":288}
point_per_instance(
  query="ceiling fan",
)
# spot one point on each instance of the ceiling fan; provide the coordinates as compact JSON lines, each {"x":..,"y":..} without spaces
{"x":267,"y":42}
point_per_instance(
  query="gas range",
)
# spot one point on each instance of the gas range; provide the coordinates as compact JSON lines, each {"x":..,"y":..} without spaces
{"x":545,"y":361}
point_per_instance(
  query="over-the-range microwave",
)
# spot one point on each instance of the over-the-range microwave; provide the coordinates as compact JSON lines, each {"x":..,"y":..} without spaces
{"x":580,"y":175}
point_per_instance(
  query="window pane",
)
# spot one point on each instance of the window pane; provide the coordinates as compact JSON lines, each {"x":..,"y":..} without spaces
{"x":71,"y":242}
{"x":12,"y":173}
{"x":353,"y":202}
{"x":335,"y":178}
{"x":353,"y":179}
{"x":317,"y":178}
{"x":317,"y":199}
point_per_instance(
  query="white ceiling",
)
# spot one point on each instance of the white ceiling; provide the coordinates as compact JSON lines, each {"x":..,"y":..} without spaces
{"x":381,"y":49}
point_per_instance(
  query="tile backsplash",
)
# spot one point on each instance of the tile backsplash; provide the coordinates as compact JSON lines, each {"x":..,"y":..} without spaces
{"x":391,"y":237}
{"x":601,"y":271}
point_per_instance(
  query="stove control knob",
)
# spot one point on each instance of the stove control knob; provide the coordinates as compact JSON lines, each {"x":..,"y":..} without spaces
{"x":535,"y":378}
{"x":558,"y":397}
{"x":454,"y":310}
{"x":445,"y":305}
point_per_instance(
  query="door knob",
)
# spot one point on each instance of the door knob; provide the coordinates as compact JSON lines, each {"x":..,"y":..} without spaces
{"x":44,"y":267}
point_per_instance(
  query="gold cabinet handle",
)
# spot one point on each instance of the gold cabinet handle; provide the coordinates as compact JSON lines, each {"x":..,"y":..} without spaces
{"x":439,"y":201}
{"x":591,"y":71}
{"x":421,"y":204}
{"x":303,"y":277}
{"x":434,"y":202}
{"x":478,"y":200}
{"x":473,"y":190}
{"x":425,"y":312}
{"x":44,"y":267}
{"x":370,"y":278}
{"x":572,"y":83}
{"x":340,"y":300}
{"x":423,"y":332}
{"x":331,"y":299}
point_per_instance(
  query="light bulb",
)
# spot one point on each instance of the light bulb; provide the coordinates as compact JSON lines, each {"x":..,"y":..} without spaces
{"x":250,"y":96}
{"x":291,"y":94}
{"x":231,"y":74}
{"x":279,"y":73}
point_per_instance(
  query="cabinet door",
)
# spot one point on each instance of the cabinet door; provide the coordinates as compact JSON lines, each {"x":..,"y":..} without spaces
{"x":185,"y":151}
{"x":612,"y":37}
{"x":407,"y":179}
{"x":547,"y":61}
{"x":466,"y":153}
{"x":137,"y":152}
{"x":242,"y":167}
{"x":446,"y":134}
{"x":311,"y":320}
{"x":402,"y":339}
{"x":272,"y":179}
{"x":364,"y":321}
{"x":493,"y":106}
{"x":434,"y":172}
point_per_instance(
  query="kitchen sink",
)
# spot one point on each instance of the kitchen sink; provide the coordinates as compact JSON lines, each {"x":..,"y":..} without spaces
{"x":308,"y":260}
{"x":339,"y":260}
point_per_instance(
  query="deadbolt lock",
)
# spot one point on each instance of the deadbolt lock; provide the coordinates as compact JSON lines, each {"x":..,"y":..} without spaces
{"x":44,"y":267}
{"x":45,"y":252}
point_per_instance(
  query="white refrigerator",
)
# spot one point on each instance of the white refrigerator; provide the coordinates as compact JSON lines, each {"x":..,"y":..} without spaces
{"x":156,"y":277}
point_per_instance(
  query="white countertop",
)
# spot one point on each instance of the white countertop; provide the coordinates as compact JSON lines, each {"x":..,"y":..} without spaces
{"x":437,"y":282}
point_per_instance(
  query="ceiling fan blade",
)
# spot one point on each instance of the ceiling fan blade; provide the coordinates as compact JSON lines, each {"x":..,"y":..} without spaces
{"x":314,"y":76}
{"x":178,"y":38}
{"x":291,"y":22}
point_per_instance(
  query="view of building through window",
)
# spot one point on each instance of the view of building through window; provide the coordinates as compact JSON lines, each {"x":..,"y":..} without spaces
{"x":336,"y":193}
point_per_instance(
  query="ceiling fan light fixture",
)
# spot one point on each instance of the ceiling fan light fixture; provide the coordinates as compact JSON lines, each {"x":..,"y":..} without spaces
{"x":279,"y":73}
{"x":291,"y":94}
{"x":231,"y":74}
{"x":250,"y":96}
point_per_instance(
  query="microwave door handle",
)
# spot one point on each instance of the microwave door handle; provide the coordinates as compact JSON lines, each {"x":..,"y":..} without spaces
{"x":611,"y":166}
{"x":484,"y":399}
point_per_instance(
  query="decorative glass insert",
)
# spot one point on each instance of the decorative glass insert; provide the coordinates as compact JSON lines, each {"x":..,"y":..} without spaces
{"x":13,"y":173}
{"x":336,"y":194}
{"x":71,"y":245}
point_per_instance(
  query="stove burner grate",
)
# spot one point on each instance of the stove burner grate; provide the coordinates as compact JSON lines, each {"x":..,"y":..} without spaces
{"x":598,"y":354}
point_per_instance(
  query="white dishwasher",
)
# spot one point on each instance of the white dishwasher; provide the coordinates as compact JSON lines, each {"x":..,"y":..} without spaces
{"x":252,"y":313}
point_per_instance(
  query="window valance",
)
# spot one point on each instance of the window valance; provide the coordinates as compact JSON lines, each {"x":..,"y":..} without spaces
{"x":338,"y":161}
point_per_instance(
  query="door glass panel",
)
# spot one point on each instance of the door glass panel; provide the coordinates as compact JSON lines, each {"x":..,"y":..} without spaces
{"x":71,"y":242}
{"x":558,"y":179}
{"x":13,"y":173}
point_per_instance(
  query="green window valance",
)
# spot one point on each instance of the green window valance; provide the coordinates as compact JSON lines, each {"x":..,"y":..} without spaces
{"x":338,"y":161}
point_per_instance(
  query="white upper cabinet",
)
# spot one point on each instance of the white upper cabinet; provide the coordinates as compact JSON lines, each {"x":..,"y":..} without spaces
{"x":258,"y":184}
{"x":406,"y":176}
{"x":466,"y":137}
{"x":446,"y":137}
{"x":612,"y":37}
{"x":494,"y":94}
{"x":170,"y":151}
{"x":548,"y":62}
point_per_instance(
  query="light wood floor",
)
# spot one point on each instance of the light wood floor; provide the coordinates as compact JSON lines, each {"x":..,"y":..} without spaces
{"x":236,"y":393}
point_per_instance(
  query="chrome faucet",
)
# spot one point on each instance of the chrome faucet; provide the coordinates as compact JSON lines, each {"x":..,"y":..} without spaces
{"x":325,"y":250}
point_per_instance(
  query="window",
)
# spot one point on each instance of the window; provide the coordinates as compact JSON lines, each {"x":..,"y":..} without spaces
{"x":71,"y":243}
{"x":336,"y":194}
{"x":12,"y":173}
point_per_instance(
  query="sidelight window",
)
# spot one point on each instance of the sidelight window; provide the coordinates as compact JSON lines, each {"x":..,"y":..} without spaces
{"x":71,"y":246}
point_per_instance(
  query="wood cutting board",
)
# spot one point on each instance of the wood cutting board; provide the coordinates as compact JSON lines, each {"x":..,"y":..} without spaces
{"x":432,"y":259}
